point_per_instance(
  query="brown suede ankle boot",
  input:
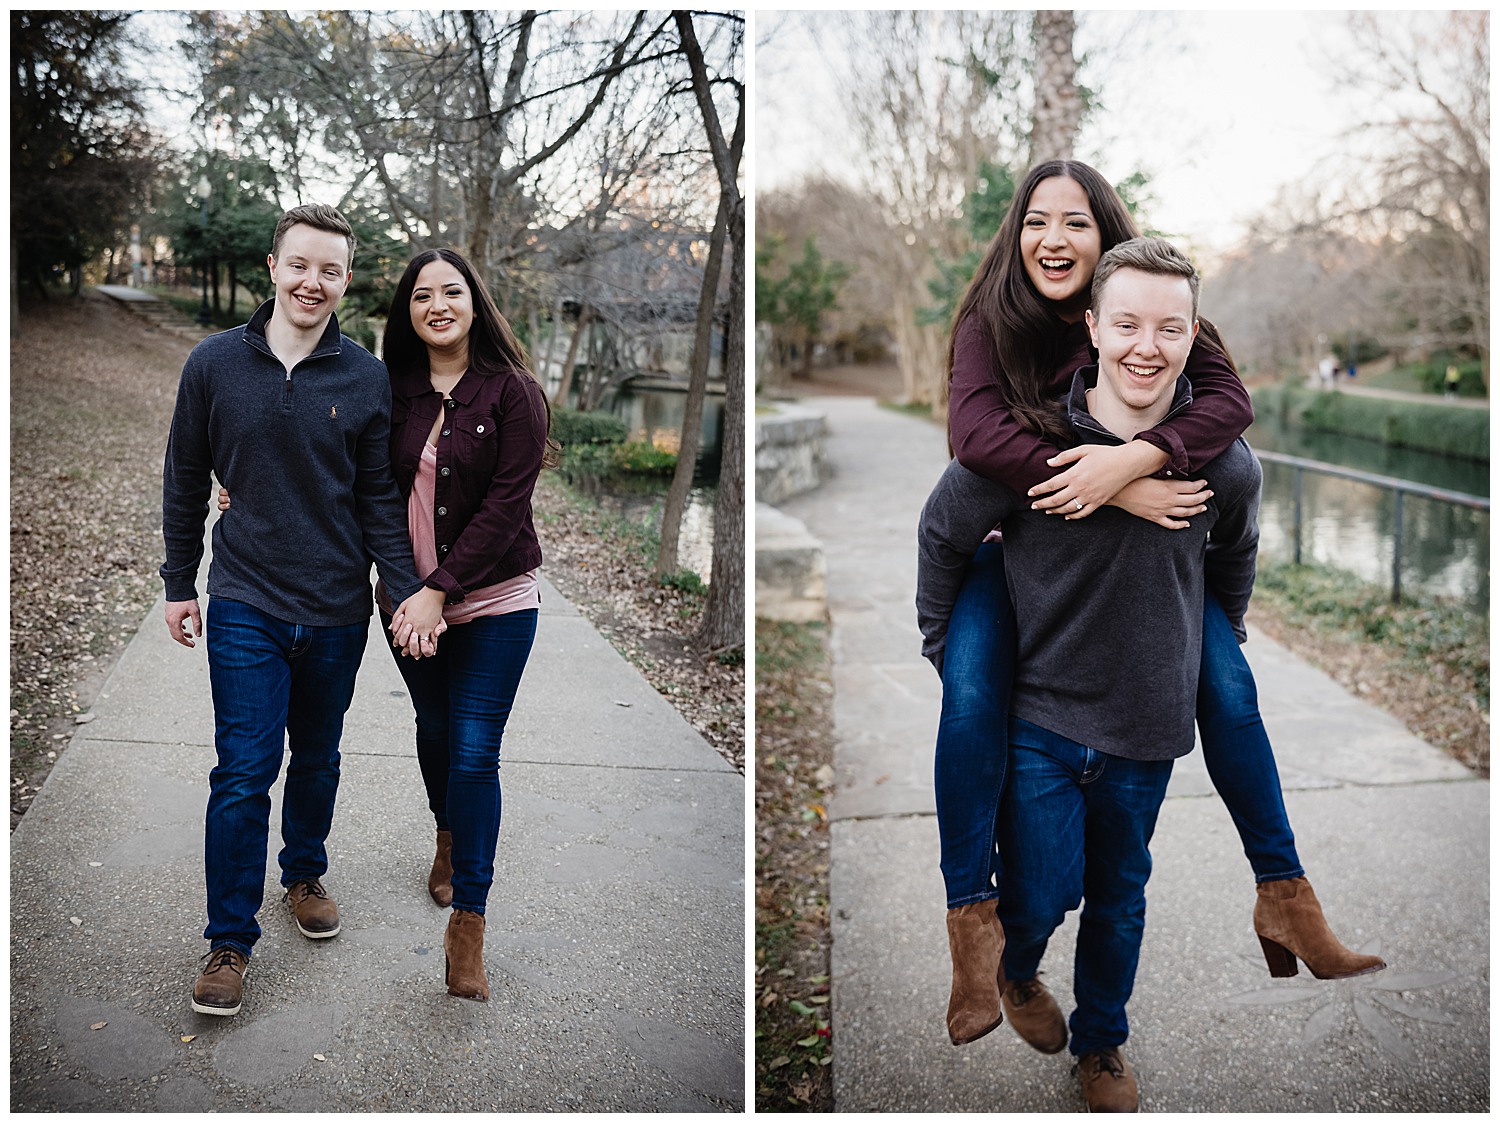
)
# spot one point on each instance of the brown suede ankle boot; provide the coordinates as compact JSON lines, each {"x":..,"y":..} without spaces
{"x":463,"y":947}
{"x":1290,"y":924}
{"x":975,"y":941}
{"x":440,"y":880}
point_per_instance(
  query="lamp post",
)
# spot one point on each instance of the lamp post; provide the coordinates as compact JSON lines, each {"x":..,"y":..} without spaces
{"x":205,"y":189}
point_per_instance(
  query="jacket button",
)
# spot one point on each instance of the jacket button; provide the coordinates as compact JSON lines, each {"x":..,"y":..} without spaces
{"x":447,"y":432}
{"x":479,"y":429}
{"x":442,"y":510}
{"x":442,"y":549}
{"x":444,"y":471}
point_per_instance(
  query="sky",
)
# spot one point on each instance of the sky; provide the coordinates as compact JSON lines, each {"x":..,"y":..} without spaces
{"x":1219,"y":108}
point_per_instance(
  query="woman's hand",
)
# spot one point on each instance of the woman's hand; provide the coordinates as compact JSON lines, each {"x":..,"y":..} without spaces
{"x":223,"y":499}
{"x":1095,"y":475}
{"x":418,"y":621}
{"x":1165,"y":502}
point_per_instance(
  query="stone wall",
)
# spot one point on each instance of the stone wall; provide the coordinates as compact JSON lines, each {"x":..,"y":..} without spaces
{"x":788,"y":451}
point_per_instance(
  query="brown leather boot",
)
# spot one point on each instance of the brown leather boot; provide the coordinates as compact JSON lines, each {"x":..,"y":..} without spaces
{"x":313,"y":909}
{"x":1290,"y":924}
{"x":463,"y":946}
{"x":1034,"y":1014}
{"x":221,"y":984}
{"x":440,"y":880}
{"x":975,"y":941}
{"x":1108,"y":1083}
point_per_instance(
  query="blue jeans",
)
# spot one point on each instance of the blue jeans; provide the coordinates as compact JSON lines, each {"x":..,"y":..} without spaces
{"x":1075,"y":826}
{"x":1238,"y":753}
{"x":276,"y":686}
{"x":979,"y":662}
{"x":463,"y":696}
{"x":978,"y":670}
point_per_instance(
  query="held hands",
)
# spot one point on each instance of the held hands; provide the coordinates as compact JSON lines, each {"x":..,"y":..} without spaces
{"x":184,"y":621}
{"x":418,"y":621}
{"x":1095,"y":475}
{"x":223,"y":499}
{"x":1165,"y":502}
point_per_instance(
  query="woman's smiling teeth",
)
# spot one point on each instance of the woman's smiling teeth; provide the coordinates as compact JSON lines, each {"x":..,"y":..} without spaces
{"x":1057,"y":264}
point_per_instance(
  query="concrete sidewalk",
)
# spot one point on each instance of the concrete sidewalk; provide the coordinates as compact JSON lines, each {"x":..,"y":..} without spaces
{"x":1394,"y":835}
{"x":615,"y":945}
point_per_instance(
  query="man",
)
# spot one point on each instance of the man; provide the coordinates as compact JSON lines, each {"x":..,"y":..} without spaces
{"x":294,"y":418}
{"x":1109,"y":617}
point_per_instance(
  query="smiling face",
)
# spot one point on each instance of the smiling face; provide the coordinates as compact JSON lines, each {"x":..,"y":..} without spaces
{"x":442,"y":307}
{"x":1143,"y":328}
{"x":310,"y":272}
{"x":1060,"y":244}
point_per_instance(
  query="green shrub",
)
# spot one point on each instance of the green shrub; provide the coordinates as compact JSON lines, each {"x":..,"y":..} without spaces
{"x":571,"y":427}
{"x":687,"y":581}
{"x":588,"y":459}
{"x":1434,"y":375}
{"x":643,"y":458}
{"x":1428,"y":426}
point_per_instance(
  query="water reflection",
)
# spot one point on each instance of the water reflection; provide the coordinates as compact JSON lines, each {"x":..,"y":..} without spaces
{"x":1348,"y":525}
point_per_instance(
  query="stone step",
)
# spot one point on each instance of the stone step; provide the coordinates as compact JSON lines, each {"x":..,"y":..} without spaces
{"x":790,"y":571}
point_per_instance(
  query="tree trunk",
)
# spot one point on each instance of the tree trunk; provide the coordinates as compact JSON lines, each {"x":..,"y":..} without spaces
{"x":726,"y":164}
{"x":723,"y":624}
{"x":566,"y":385}
{"x":692,"y":413}
{"x":1059,"y":107}
{"x":547,"y":361}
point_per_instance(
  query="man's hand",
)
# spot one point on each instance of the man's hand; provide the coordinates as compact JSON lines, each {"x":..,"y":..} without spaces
{"x":223,"y":499}
{"x":184,"y":621}
{"x":418,"y":621}
{"x":1096,"y":473}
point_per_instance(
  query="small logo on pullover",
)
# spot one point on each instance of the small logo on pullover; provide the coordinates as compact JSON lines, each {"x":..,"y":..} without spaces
{"x":334,"y":412}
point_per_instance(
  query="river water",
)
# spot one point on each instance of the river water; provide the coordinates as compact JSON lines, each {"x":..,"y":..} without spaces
{"x":1349,"y":525}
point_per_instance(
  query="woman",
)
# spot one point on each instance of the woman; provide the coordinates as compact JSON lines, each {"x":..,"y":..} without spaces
{"x":469,"y":429}
{"x":1018,"y":337}
{"x":468,"y":436}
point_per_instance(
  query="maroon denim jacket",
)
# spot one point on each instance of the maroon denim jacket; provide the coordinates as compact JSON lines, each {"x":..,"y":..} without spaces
{"x":489,"y":452}
{"x":990,"y":442}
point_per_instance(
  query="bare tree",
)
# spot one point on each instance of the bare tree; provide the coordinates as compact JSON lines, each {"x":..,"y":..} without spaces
{"x":724,"y":614}
{"x":934,"y":93}
{"x":1422,"y":153}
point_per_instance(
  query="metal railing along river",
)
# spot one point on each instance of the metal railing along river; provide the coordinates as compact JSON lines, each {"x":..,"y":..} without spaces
{"x":1400,"y":489}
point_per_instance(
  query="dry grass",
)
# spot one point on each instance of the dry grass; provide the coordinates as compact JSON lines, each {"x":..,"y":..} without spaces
{"x":793,"y":776}
{"x":92,"y":390}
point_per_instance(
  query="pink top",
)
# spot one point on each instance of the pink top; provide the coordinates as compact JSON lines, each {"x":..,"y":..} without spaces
{"x":514,"y":595}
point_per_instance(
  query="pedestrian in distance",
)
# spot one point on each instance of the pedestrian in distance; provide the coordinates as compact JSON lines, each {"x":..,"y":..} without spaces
{"x":295,"y":417}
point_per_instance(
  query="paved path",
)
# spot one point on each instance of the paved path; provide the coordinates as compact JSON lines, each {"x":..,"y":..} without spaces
{"x":1394,"y":834}
{"x":1362,"y":391}
{"x":616,"y":934}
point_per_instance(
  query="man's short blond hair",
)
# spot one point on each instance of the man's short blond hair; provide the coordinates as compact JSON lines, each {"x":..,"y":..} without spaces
{"x":1156,"y":256}
{"x":320,"y":216}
